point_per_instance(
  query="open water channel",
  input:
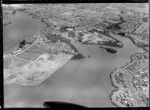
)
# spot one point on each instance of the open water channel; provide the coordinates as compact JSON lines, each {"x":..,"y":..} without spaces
{"x":86,"y":81}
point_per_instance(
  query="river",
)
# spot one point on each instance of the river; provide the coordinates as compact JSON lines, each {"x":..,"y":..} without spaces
{"x":86,"y":81}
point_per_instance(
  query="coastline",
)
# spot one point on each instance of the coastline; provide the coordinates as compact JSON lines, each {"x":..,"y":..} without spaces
{"x":59,"y":62}
{"x":117,"y":87}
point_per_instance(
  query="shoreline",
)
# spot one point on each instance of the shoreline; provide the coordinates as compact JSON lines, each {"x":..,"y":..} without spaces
{"x":117,"y":87}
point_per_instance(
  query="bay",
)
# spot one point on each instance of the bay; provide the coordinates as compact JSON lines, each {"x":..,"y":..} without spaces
{"x":22,"y":26}
{"x":86,"y":81}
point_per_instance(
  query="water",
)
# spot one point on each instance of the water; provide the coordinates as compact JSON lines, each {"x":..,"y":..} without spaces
{"x":84,"y":81}
{"x":22,"y":26}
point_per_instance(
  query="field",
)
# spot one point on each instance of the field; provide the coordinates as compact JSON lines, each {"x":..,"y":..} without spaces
{"x":88,"y":54}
